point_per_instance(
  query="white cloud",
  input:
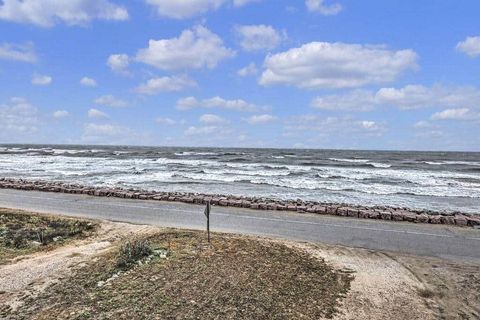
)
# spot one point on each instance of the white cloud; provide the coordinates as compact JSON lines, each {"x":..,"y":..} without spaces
{"x":187,"y":103}
{"x":216,"y":102}
{"x":456,"y":114}
{"x":165,"y":121}
{"x":18,"y":52}
{"x":333,"y":125}
{"x":238,"y":104}
{"x":60,"y":114}
{"x":357,"y":100}
{"x":194,"y":131}
{"x":470,"y":46}
{"x":322,"y":8}
{"x":418,"y":96}
{"x":336,"y":65}
{"x":88,"y":82}
{"x":93,"y":129}
{"x":261,"y":119}
{"x":41,"y":80}
{"x":185,"y":8}
{"x":18,"y":117}
{"x":249,"y":70}
{"x":110,"y":134}
{"x":422,"y":124}
{"x":406,"y":98}
{"x":369,"y":125}
{"x":212,"y":119}
{"x":96,"y":114}
{"x":47,"y":13}
{"x":241,"y":3}
{"x":119,"y":63}
{"x":164,"y":84}
{"x":110,"y":101}
{"x":258,"y":37}
{"x":194,"y":49}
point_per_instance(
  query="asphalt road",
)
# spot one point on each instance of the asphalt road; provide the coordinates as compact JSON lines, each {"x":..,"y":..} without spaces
{"x":419,"y":239}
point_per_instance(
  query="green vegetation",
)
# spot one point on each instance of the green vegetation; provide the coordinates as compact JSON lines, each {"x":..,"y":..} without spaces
{"x":132,"y":252}
{"x":23,"y":233}
{"x":176,"y":275}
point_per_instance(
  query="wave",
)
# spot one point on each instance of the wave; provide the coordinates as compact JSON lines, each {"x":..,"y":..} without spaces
{"x":191,"y":153}
{"x":433,"y":163}
{"x":336,"y":176}
{"x":349,"y":160}
{"x":463,"y":163}
{"x":380,"y":165}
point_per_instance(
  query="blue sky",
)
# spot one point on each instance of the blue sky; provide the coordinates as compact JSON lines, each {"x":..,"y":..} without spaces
{"x":242,"y":73}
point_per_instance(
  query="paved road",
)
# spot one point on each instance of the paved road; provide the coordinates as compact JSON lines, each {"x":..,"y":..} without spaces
{"x":430,"y":240}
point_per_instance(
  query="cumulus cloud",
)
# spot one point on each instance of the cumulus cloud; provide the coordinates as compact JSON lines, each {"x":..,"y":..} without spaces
{"x":334,"y":125}
{"x":212,"y":119}
{"x":17,"y":118}
{"x":41,"y":80}
{"x":110,"y":134}
{"x":238,"y":104}
{"x":110,"y":101}
{"x":249,"y":70}
{"x":184,"y":9}
{"x":357,"y":100}
{"x":322,"y":8}
{"x":336,"y":65}
{"x":119,"y":63}
{"x":369,"y":125}
{"x":60,"y":114}
{"x":193,"y":131}
{"x":210,"y":134}
{"x":470,"y":46}
{"x":456,"y":114}
{"x":96,"y":114}
{"x":261,"y":119}
{"x":165,"y":84}
{"x":165,"y":121}
{"x":194,"y":49}
{"x":18,"y":52}
{"x":47,"y":13}
{"x":258,"y":37}
{"x":406,"y":98}
{"x":88,"y":82}
{"x":241,"y":3}
{"x":422,"y":124}
{"x":216,"y":102}
{"x":187,"y":103}
{"x":418,"y":96}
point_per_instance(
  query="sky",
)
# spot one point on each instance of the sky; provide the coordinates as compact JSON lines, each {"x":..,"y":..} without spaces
{"x":336,"y":74}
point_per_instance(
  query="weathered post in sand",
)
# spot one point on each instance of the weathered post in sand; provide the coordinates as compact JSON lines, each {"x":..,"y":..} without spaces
{"x":207,"y":214}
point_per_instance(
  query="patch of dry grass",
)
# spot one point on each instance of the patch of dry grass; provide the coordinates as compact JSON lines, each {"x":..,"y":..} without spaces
{"x":23,"y":233}
{"x":234,"y":278}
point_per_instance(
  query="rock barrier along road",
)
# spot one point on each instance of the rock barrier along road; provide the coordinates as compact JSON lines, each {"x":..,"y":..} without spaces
{"x":376,"y":213}
{"x":443,"y":241}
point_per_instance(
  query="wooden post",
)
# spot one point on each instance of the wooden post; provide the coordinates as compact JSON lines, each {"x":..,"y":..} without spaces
{"x":207,"y":214}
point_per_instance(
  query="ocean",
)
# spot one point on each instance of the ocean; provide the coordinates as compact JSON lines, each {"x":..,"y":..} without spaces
{"x":441,"y":181}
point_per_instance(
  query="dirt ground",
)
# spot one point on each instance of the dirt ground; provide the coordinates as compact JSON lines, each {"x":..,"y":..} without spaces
{"x":385,"y":285}
{"x":397,"y":286}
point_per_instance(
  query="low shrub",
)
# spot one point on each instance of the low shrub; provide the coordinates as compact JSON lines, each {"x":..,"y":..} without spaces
{"x":132,"y":252}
